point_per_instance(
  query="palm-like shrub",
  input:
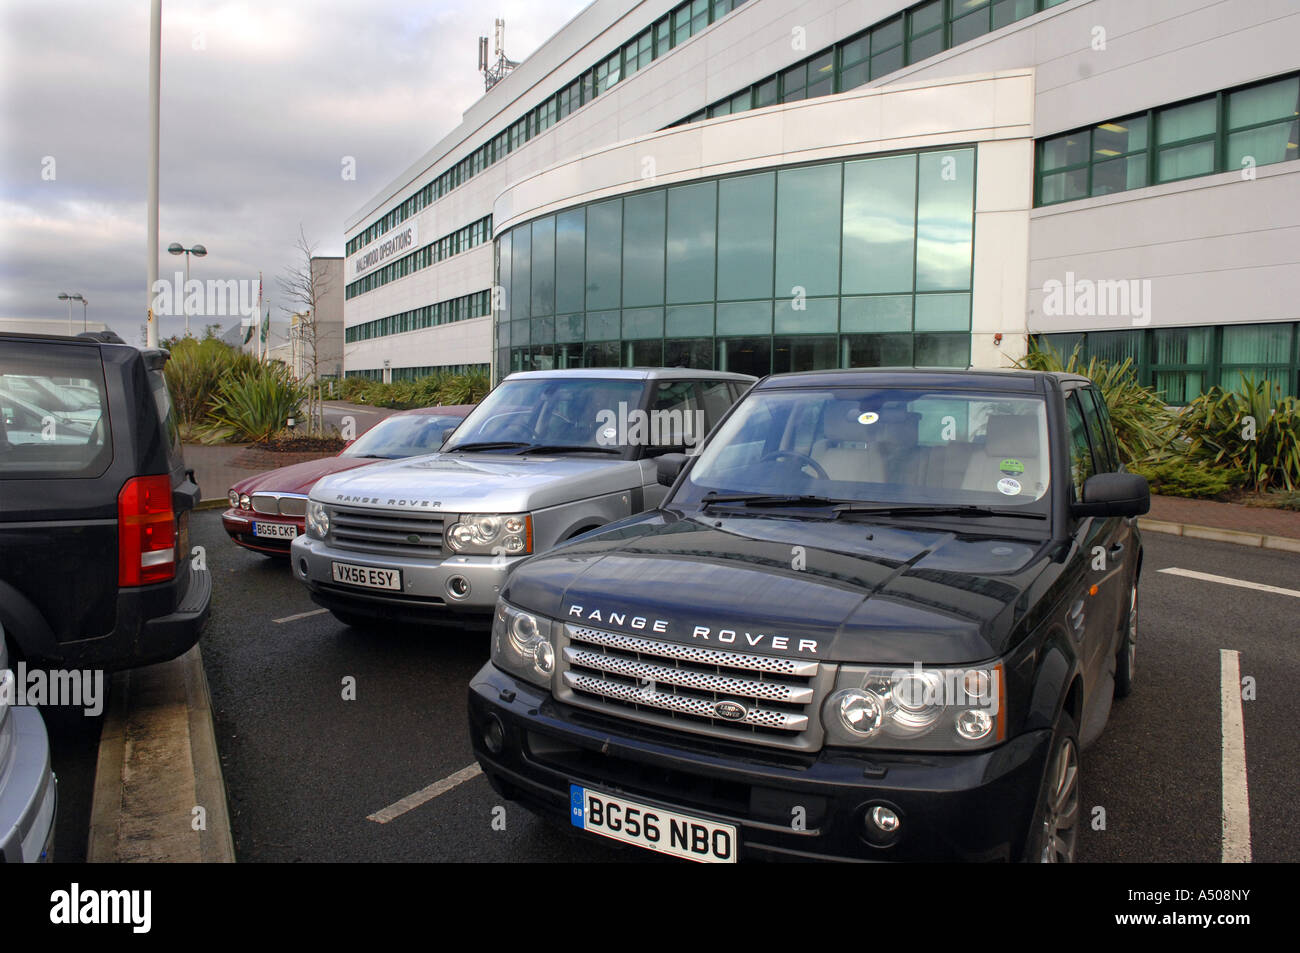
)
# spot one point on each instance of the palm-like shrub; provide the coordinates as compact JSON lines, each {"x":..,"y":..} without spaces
{"x":253,"y":406}
{"x":1253,"y":430}
{"x":195,"y":372}
{"x":1143,"y":424}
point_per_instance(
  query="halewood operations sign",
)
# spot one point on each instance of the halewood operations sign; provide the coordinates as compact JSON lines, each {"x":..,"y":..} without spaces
{"x":401,"y":241}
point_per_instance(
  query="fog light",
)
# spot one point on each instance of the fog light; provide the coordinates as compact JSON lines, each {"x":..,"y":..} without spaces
{"x":974,"y":724}
{"x":458,"y":587}
{"x":302,"y":567}
{"x":884,"y":819}
{"x":494,"y":735}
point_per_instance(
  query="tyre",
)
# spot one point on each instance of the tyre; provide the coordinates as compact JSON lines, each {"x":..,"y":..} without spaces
{"x":1126,"y":659}
{"x":1054,"y":834}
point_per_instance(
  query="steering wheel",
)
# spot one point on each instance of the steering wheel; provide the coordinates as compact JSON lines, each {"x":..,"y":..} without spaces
{"x":803,"y":458}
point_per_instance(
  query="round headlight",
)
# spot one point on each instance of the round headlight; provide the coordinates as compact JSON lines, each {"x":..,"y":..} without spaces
{"x":245,"y":502}
{"x":543,"y":657}
{"x":974,"y":724}
{"x":462,"y":534}
{"x":861,"y":712}
{"x":514,"y":525}
{"x":485,"y":528}
{"x":513,"y":544}
{"x":918,"y":699}
{"x":234,"y":500}
{"x":523,"y":630}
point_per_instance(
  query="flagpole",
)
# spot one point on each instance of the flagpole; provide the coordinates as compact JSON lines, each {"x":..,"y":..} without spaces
{"x":258,"y":332}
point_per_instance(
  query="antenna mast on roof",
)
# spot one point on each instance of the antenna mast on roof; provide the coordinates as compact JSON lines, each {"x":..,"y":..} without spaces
{"x":494,"y":72}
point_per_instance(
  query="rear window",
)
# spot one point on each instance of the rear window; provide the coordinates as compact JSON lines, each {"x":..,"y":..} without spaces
{"x":53,"y":412}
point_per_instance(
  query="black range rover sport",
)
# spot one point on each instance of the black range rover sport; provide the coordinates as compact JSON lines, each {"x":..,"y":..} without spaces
{"x":874,"y":619}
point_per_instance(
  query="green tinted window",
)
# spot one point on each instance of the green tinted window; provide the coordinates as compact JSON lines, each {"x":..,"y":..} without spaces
{"x":746,"y":227}
{"x":692,"y":234}
{"x":945,"y":220}
{"x":570,"y":255}
{"x":543,"y":231}
{"x":879,"y":225}
{"x":807,"y":230}
{"x":643,"y":248}
{"x":604,"y":254}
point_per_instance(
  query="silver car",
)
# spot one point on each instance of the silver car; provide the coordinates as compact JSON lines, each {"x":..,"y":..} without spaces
{"x":28,"y":791}
{"x":547,"y":456}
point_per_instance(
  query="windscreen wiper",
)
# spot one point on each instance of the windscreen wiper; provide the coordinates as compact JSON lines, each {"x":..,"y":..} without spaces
{"x":769,"y":499}
{"x":941,"y":510}
{"x":488,"y":445}
{"x":561,"y":448}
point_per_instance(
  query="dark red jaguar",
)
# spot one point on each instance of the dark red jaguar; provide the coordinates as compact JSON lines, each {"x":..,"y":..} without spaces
{"x":267,"y":510}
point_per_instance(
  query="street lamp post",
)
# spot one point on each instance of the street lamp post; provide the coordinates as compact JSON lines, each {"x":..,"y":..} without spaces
{"x":198,"y":251}
{"x":64,"y":296}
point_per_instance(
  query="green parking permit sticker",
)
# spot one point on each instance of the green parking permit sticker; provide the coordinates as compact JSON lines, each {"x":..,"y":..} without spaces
{"x":1011,"y":466}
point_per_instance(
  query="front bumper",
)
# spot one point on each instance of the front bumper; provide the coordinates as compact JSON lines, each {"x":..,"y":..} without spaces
{"x":971,"y":807}
{"x":28,"y":793}
{"x":427,"y":591}
{"x":238,"y":524}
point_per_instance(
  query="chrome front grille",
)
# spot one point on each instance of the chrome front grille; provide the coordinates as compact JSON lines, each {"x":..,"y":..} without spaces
{"x":771,"y":700}
{"x":279,"y":504}
{"x":385,"y":532}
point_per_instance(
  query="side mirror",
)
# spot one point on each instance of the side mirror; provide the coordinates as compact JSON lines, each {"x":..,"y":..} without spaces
{"x":1114,"y":494}
{"x":668,"y":466}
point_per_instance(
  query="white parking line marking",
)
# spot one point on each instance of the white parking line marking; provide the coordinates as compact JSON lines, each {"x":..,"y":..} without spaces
{"x":1236,"y":796}
{"x":1229,"y":581}
{"x":412,"y":801}
{"x":300,"y":615}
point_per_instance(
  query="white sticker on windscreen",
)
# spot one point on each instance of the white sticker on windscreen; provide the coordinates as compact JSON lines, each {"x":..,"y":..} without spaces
{"x":870,"y":417}
{"x":1008,"y":486}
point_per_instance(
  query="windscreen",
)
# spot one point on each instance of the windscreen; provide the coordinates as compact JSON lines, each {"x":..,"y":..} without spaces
{"x":552,"y":412}
{"x":884,"y":446}
{"x":404,"y":435}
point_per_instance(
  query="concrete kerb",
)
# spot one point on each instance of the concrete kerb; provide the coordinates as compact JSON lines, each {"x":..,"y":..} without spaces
{"x":1237,"y":537}
{"x":158,"y":760}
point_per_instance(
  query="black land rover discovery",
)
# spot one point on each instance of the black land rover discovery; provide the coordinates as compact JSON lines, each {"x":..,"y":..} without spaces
{"x":874,"y":619}
{"x":95,"y":561}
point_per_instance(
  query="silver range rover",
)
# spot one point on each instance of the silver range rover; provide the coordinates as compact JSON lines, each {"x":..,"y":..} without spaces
{"x":547,"y":456}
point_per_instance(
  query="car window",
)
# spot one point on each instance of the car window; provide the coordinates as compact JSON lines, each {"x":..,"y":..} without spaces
{"x":1081,"y":459}
{"x":402,"y":435}
{"x":53,"y":412}
{"x":716,"y":400}
{"x":553,"y":411}
{"x":678,"y":418}
{"x":166,"y":411}
{"x":1099,"y":425}
{"x":881,"y":445}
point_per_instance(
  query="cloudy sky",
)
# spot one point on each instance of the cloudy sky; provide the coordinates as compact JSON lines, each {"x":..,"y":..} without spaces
{"x":260,"y":103}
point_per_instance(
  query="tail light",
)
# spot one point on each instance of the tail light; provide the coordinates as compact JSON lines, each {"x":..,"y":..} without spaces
{"x":146,"y":531}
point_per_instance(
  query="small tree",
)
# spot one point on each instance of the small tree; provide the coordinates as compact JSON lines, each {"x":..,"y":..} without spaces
{"x":305,"y":286}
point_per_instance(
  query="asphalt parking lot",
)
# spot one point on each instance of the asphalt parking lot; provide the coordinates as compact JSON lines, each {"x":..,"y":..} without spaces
{"x":305,"y":769}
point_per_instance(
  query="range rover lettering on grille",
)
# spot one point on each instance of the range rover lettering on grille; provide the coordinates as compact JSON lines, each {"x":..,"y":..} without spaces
{"x":727,"y":637}
{"x":730,"y":711}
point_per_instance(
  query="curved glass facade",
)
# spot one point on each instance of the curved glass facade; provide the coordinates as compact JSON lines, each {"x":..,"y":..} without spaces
{"x":852,"y":263}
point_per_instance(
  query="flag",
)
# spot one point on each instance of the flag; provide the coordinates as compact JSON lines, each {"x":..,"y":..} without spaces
{"x":266,"y":326}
